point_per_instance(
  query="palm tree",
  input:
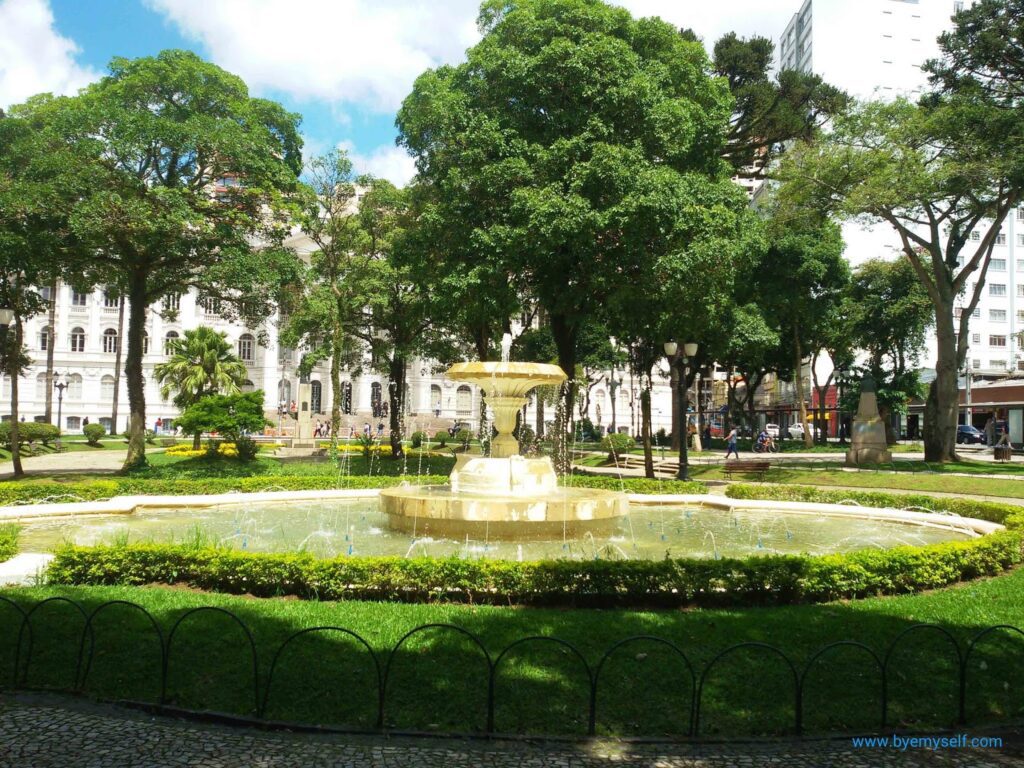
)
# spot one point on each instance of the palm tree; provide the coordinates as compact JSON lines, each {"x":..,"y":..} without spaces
{"x":201,"y":363}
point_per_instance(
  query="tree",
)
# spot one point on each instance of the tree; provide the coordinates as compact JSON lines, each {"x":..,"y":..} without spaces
{"x":944,"y":184}
{"x":232,"y":416}
{"x":182,"y":173}
{"x":201,"y":363}
{"x":887,"y":312}
{"x":565,"y":140}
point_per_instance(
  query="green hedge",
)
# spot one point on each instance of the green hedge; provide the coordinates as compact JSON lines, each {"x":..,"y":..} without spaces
{"x":13,"y":492}
{"x":29,"y":432}
{"x":774,"y":580}
{"x":1011,"y":515}
{"x":8,"y":540}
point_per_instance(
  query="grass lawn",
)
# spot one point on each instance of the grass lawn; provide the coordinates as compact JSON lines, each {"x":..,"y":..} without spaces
{"x":438,"y":681}
{"x":69,"y":444}
{"x":162,"y":466}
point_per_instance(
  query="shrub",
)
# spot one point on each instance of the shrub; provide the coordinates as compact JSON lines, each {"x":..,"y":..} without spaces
{"x":442,"y":438}
{"x":773,"y":580}
{"x":417,"y":438}
{"x":586,"y":431}
{"x":661,"y":437}
{"x":246,"y":448}
{"x":8,"y":540}
{"x":463,"y":437}
{"x":617,"y":444}
{"x":93,"y":433}
{"x":29,"y":432}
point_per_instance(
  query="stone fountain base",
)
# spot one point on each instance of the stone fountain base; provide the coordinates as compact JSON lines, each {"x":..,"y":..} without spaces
{"x":502,"y":498}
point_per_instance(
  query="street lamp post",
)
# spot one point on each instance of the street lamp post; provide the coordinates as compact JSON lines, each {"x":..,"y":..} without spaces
{"x":671,"y":352}
{"x":613,"y":385}
{"x":60,"y":386}
{"x":6,"y":318}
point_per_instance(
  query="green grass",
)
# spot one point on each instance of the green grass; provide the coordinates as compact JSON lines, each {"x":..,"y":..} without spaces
{"x":439,"y":680}
{"x":69,"y":445}
{"x":9,"y":533}
{"x":162,"y":466}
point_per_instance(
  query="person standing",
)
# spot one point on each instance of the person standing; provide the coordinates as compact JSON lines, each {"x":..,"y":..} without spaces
{"x":731,"y":443}
{"x":990,"y":431}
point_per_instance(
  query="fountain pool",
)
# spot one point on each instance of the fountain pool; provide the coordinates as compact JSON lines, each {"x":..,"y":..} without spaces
{"x":328,"y":528}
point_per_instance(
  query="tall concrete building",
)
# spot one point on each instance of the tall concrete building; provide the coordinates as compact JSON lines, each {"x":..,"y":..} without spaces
{"x":875,"y":49}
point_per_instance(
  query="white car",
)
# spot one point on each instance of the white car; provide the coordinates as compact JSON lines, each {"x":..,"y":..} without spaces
{"x":796,"y":431}
{"x":772,"y":430}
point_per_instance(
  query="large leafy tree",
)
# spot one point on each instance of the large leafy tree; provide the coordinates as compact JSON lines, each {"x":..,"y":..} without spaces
{"x":935,"y":176}
{"x":201,"y":363}
{"x":182,"y":172}
{"x":567,"y":136}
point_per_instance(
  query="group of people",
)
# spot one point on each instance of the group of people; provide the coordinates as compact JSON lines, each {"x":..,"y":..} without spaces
{"x":996,"y":433}
{"x":380,"y":410}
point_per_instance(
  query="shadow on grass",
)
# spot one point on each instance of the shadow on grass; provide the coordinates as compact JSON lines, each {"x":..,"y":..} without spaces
{"x":540,"y":666}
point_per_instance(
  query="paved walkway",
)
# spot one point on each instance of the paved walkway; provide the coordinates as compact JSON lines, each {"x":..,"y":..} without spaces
{"x":48,"y":731}
{"x":71,"y":462}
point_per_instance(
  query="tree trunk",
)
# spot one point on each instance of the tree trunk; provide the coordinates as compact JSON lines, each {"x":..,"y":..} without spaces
{"x":336,"y":395}
{"x":565,"y":336}
{"x":396,"y":398}
{"x":645,"y":424}
{"x":117,"y":367}
{"x":886,"y":416}
{"x":798,"y":373}
{"x":19,"y":332}
{"x":133,"y":371}
{"x":540,"y":414}
{"x":943,"y":403}
{"x":52,"y":320}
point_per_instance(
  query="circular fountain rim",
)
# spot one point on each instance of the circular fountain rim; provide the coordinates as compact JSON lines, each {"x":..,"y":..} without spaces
{"x":488,"y":369}
{"x":129,"y":504}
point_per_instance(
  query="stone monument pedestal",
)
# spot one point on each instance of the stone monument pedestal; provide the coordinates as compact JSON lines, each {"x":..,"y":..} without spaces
{"x":867,"y":443}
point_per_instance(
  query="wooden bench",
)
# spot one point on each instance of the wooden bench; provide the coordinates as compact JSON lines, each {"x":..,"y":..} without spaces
{"x":747,"y":466}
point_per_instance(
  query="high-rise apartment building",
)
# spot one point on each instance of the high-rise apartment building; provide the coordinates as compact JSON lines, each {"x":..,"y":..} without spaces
{"x":875,"y":49}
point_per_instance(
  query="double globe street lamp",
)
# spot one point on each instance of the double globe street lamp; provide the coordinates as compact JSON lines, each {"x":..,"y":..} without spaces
{"x":672,"y":353}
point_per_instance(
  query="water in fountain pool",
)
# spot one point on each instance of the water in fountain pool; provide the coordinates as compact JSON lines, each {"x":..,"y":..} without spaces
{"x":328,"y":529}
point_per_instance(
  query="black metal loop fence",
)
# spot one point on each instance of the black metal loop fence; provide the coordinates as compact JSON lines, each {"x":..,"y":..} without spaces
{"x":16,"y":627}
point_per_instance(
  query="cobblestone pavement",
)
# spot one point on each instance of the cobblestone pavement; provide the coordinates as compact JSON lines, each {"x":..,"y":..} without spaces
{"x":43,"y":731}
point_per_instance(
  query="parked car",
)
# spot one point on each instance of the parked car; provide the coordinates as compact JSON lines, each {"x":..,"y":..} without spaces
{"x":796,"y":431}
{"x":966,"y":433}
{"x":772,"y":430}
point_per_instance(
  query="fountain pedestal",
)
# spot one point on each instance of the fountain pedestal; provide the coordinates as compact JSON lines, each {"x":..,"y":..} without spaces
{"x":503,"y":495}
{"x":867,"y":442}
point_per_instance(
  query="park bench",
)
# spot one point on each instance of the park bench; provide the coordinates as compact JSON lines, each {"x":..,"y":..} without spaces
{"x":747,"y":466}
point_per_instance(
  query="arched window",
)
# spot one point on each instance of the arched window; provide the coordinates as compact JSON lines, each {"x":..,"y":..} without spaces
{"x":598,"y":405}
{"x":464,"y":401}
{"x":110,"y":341}
{"x":44,"y":338}
{"x":247,"y":348}
{"x":107,"y":389}
{"x":435,"y":399}
{"x":284,"y":392}
{"x":247,"y":386}
{"x":346,"y":397}
{"x":145,"y":343}
{"x":169,"y":339}
{"x":375,"y":397}
{"x":41,"y":386}
{"x":74,"y":386}
{"x":78,"y":340}
{"x":315,"y":396}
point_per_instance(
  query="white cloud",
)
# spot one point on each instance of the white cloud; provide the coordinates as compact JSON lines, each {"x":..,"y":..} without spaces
{"x":370,"y":51}
{"x":34,"y":58}
{"x":335,"y":50}
{"x":386,"y":162}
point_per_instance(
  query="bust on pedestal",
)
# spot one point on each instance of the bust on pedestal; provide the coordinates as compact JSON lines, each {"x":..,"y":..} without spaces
{"x":867,"y":444}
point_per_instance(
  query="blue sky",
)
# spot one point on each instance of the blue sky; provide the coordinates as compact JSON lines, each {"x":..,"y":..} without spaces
{"x":344,"y":65}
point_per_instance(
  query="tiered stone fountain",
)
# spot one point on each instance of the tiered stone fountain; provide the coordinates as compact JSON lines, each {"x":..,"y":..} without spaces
{"x":504,"y":495}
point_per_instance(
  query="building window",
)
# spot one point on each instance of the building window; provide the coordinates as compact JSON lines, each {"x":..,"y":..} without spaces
{"x":1020,"y":264}
{"x":74,"y":423}
{"x":172,"y":302}
{"x":1020,"y":365}
{"x":376,"y":398}
{"x":169,"y":341}
{"x":110,"y":341}
{"x":107,"y":389}
{"x":997,"y":315}
{"x":976,"y":313}
{"x":975,"y":235}
{"x":997,"y":265}
{"x":74,"y":386}
{"x":41,"y":387}
{"x":958,"y":312}
{"x":976,"y":364}
{"x":44,"y":338}
{"x":316,"y":393}
{"x":77,"y":340}
{"x":997,"y":341}
{"x":997,"y":289}
{"x":108,"y":424}
{"x":210,"y":305}
{"x":1020,"y":315}
{"x":435,"y":399}
{"x":247,"y":348}
{"x":79,"y":299}
{"x":284,"y":392}
{"x":110,"y":299}
{"x":247,"y":386}
{"x":999,"y":365}
{"x":1001,"y":239}
{"x":975,"y":338}
{"x":145,"y":343}
{"x":346,"y":397}
{"x":1020,"y":213}
{"x":1020,"y":238}
{"x":464,"y":401}
{"x":1020,"y":290}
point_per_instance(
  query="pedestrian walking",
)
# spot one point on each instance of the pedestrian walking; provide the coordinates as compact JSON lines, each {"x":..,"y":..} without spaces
{"x":731,"y":443}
